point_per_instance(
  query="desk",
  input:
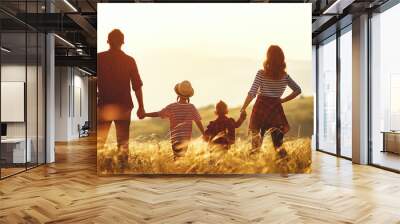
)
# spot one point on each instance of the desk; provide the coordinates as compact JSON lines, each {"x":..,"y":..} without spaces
{"x":13,"y":150}
{"x":391,"y":141}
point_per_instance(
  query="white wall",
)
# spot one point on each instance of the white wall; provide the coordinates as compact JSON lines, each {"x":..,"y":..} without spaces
{"x":14,"y":73}
{"x":80,"y":110}
{"x":71,"y":94}
{"x":33,"y":127}
{"x":61,"y":103}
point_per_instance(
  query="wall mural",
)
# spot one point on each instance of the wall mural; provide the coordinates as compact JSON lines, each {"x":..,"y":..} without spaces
{"x":204,"y":88}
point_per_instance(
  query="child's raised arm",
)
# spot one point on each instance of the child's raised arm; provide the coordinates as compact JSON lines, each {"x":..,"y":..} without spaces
{"x":153,"y":114}
{"x":241,"y":119}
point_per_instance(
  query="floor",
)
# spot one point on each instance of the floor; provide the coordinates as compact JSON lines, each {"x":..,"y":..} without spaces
{"x":69,"y":191}
{"x":10,"y":171}
{"x":5,"y":172}
{"x":387,"y":159}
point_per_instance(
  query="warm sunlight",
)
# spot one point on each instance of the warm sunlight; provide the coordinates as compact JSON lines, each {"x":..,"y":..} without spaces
{"x":219,"y":49}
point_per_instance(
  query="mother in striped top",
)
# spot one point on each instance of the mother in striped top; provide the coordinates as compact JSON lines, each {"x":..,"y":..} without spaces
{"x":268,"y":86}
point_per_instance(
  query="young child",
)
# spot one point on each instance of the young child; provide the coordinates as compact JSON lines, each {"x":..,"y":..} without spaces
{"x":180,"y":115}
{"x":222,"y":130}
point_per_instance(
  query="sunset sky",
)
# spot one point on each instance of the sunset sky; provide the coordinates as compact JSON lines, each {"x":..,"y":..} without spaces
{"x":218,"y":47}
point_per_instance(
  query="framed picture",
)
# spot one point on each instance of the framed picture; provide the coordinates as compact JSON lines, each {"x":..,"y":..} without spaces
{"x":204,"y":88}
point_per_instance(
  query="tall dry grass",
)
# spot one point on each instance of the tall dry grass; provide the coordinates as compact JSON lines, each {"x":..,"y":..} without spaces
{"x":147,"y":156}
{"x":150,"y":150}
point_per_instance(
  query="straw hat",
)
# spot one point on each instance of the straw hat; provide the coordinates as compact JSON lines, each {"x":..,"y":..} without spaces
{"x":184,"y":89}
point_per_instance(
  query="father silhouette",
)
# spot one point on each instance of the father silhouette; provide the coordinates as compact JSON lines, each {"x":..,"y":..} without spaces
{"x":117,"y":74}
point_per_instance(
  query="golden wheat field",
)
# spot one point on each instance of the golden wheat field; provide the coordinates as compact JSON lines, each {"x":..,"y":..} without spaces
{"x":150,"y":150}
{"x":156,"y":157}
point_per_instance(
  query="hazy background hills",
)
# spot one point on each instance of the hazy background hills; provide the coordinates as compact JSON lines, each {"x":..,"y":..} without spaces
{"x":213,"y":78}
{"x":299,"y":113}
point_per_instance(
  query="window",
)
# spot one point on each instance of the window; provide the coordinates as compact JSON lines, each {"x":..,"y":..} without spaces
{"x":346,"y":93}
{"x":327,"y":96}
{"x":394,"y":102}
{"x":385,"y":89}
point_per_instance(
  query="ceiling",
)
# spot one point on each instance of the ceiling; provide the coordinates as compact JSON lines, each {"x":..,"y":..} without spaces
{"x":75,"y":22}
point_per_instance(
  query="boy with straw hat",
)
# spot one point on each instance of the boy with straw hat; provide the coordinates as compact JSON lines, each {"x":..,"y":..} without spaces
{"x":181,"y":114}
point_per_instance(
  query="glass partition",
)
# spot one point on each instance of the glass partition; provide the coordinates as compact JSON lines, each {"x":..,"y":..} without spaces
{"x":41,"y":91}
{"x":346,"y":93}
{"x":31,"y":97}
{"x":22,"y":88}
{"x":14,"y":153}
{"x":385,"y":89}
{"x":327,"y":96}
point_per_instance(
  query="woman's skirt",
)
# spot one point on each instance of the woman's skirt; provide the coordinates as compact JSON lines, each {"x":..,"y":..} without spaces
{"x":268,"y":114}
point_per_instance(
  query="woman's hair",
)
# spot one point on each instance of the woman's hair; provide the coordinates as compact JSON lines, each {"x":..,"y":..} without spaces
{"x":186,"y":98}
{"x":275,"y":64}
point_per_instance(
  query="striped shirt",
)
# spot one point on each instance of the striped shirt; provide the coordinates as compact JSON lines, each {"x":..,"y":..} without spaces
{"x":180,"y":117}
{"x":270,"y":87}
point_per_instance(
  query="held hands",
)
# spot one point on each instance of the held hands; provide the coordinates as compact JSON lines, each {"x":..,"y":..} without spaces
{"x":205,"y":138}
{"x":141,"y":113}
